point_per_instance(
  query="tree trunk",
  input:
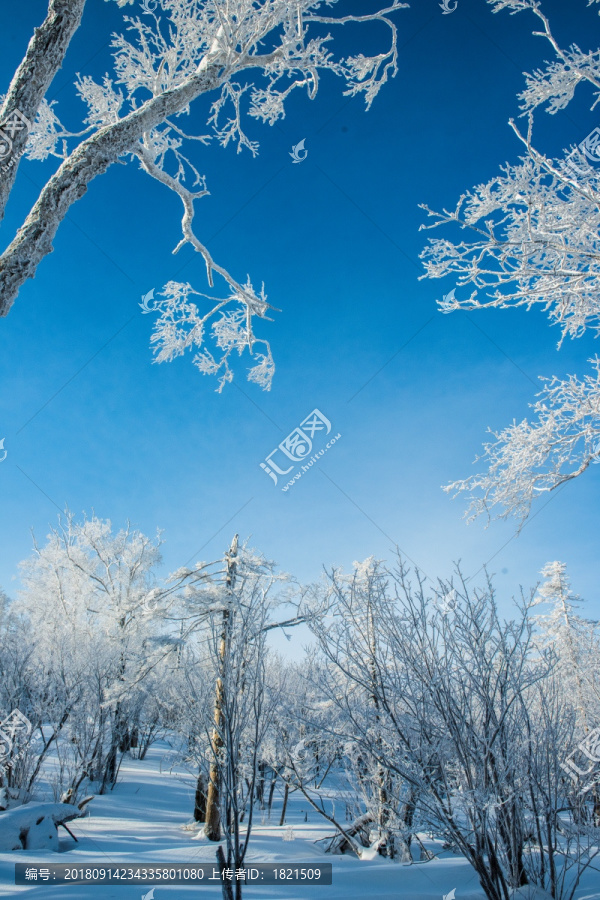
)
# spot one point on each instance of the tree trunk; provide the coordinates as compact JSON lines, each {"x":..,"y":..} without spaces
{"x":200,"y":800}
{"x":271,"y":792}
{"x":213,"y":816}
{"x":43,"y":59}
{"x":286,"y":791}
{"x":226,"y":886}
{"x":260,"y":791}
{"x":212,"y":827}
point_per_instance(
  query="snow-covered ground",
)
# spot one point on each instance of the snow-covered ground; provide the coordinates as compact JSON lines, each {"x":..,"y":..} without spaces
{"x":144,"y":821}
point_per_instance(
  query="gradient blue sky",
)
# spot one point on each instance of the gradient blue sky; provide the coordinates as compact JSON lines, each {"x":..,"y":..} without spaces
{"x":91,"y":424}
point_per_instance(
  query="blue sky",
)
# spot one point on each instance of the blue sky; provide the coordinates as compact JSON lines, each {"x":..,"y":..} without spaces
{"x":90,"y":423}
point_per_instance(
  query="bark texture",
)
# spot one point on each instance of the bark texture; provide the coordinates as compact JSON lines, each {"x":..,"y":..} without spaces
{"x":43,"y":59}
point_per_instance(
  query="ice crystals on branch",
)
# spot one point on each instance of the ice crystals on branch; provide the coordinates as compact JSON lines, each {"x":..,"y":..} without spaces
{"x":241,"y":60}
{"x":527,"y":459}
{"x":181,"y":326}
{"x":533,"y":240}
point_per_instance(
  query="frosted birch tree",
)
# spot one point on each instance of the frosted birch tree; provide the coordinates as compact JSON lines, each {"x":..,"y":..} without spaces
{"x":184,"y":73}
{"x":532,"y":240}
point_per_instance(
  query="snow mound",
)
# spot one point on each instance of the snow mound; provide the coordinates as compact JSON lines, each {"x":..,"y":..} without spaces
{"x":34,"y":826}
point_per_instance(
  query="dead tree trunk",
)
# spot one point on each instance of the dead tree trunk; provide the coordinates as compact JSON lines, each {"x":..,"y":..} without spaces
{"x":212,"y":827}
{"x":286,"y":791}
{"x":200,"y":800}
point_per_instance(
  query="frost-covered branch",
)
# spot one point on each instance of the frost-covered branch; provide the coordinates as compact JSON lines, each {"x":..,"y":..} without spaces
{"x":535,"y":242}
{"x":529,"y":459}
{"x":42,"y":60}
{"x":250,"y":55}
{"x":532,"y":238}
{"x":34,"y":239}
{"x":181,"y":327}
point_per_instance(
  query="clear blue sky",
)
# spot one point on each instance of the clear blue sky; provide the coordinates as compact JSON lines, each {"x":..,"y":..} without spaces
{"x":91,"y":424}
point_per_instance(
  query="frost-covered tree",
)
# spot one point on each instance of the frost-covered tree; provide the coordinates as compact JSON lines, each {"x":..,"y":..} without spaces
{"x":86,"y":598}
{"x":184,"y":73}
{"x":532,"y":238}
{"x":224,"y":710}
{"x":575,"y":641}
{"x":337,"y":730}
{"x":472,"y":726}
{"x":307,"y":748}
{"x":223,"y":618}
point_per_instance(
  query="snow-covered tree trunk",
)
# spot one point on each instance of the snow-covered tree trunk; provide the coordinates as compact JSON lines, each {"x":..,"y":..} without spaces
{"x":92,"y":158}
{"x":213,"y":798}
{"x":43,"y":59}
